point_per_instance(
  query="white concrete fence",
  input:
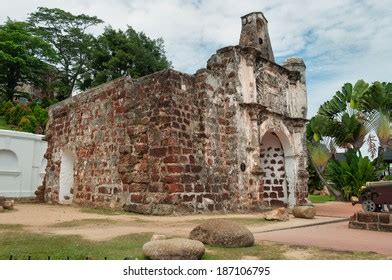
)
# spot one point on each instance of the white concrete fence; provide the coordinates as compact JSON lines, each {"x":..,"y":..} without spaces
{"x":22,"y":163}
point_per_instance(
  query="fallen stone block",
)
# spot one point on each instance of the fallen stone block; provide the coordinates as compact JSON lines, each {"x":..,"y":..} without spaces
{"x":279,"y":214}
{"x":223,"y":233}
{"x":174,"y":249}
{"x":305,"y":212}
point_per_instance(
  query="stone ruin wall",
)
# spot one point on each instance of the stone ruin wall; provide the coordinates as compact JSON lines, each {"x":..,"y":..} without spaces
{"x":172,"y":142}
{"x":91,"y":127}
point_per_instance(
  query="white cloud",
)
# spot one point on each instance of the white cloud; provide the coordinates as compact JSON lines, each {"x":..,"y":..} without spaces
{"x":340,"y":40}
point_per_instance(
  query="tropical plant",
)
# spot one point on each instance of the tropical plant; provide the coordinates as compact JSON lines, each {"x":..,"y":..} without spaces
{"x":320,"y":155}
{"x":350,"y":174}
{"x":377,"y":105}
{"x":352,"y":117}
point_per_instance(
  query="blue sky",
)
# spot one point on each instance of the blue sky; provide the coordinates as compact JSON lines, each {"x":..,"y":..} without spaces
{"x":340,"y":41}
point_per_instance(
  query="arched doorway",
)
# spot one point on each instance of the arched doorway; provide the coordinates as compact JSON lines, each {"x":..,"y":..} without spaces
{"x":272,"y":156}
{"x":66,"y":177}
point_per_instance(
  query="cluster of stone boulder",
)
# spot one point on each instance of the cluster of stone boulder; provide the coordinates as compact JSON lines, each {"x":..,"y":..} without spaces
{"x":216,"y":232}
{"x":282,"y":214}
{"x":6,"y":204}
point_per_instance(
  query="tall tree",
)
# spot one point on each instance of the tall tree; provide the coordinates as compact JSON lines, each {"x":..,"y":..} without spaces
{"x":354,"y":113}
{"x":344,"y":117}
{"x":118,"y":53}
{"x":22,"y":57}
{"x":377,"y":104}
{"x":67,"y":33}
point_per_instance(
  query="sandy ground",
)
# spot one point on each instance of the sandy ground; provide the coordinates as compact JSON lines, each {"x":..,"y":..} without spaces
{"x":56,"y":219}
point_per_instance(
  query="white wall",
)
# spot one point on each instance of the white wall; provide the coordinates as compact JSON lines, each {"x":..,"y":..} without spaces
{"x":22,"y":163}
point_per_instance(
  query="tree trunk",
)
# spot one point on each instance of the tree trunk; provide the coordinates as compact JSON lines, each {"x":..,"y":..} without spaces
{"x":330,"y":187}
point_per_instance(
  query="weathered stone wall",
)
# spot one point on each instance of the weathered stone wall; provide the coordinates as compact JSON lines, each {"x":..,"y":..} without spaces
{"x":172,"y":142}
{"x":92,"y":127}
{"x":371,"y":221}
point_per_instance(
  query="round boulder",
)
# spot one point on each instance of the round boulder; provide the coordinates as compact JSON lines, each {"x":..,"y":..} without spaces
{"x":8,"y":204}
{"x":174,"y":249}
{"x":223,"y":233}
{"x":1,"y":209}
{"x":306,"y":212}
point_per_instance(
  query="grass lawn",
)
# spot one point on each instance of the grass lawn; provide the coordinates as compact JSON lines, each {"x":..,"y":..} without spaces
{"x":3,"y":124}
{"x":321,"y":198}
{"x":21,"y":244}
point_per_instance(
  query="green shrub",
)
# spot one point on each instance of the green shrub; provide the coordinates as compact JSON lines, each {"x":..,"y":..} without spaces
{"x":28,"y":124}
{"x":5,"y":106}
{"x":352,"y":173}
{"x":29,"y":118}
{"x":14,"y":115}
{"x":41,"y":115}
{"x":388,"y":178}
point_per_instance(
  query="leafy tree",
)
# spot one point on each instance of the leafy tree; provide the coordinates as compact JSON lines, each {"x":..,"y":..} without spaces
{"x":22,"y":57}
{"x":41,"y":117}
{"x":117,"y":53}
{"x":67,"y":34}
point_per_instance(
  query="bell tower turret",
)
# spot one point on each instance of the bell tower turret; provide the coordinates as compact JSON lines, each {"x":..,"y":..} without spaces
{"x":254,"y":33}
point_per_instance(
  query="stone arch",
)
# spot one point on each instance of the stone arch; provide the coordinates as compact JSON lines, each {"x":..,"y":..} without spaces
{"x":276,"y":128}
{"x":66,"y":180}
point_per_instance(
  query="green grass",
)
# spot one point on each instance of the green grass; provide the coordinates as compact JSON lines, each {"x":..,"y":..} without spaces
{"x":277,"y":251}
{"x":259,"y":251}
{"x":321,"y":198}
{"x":22,"y":244}
{"x":4,"y":125}
{"x":10,"y":226}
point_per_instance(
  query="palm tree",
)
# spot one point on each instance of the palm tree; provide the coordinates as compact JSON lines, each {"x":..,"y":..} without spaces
{"x":346,"y":121}
{"x":377,"y":105}
{"x":320,"y":156}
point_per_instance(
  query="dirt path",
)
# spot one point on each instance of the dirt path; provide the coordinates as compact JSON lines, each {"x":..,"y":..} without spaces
{"x":335,"y":236}
{"x":67,"y":220}
{"x":57,"y":219}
